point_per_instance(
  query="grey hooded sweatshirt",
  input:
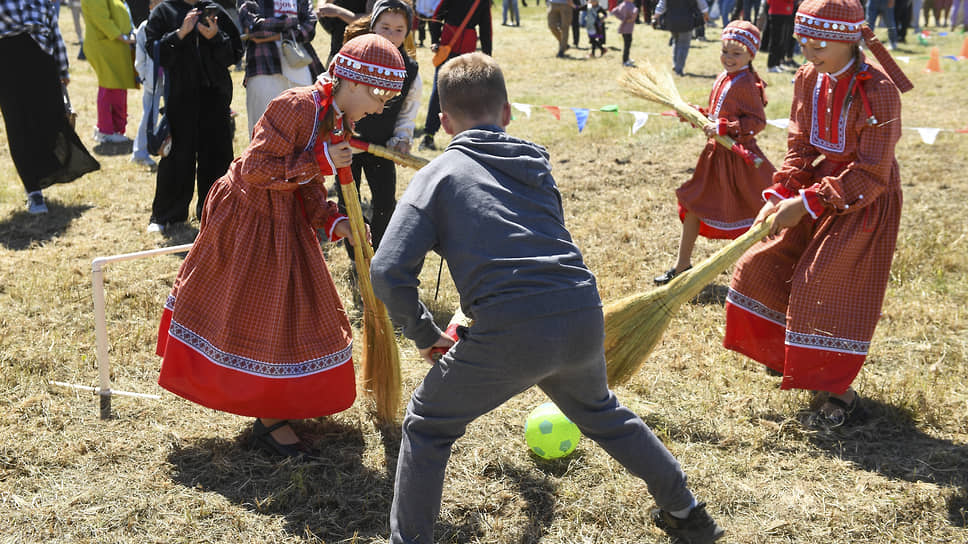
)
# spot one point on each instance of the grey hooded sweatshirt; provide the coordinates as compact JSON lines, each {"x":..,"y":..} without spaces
{"x":490,"y":207}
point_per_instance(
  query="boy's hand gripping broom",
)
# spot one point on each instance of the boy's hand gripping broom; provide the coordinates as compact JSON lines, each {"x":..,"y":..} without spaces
{"x":648,"y":83}
{"x":634,"y":325}
{"x":380,"y":369}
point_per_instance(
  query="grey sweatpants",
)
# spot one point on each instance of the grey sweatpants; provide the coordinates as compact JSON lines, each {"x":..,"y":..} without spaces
{"x":561,"y":354}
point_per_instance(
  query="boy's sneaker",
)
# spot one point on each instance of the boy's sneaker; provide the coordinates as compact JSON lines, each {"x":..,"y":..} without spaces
{"x":629,"y":63}
{"x":775,"y":70}
{"x":36,"y":204}
{"x":698,"y":528}
{"x":156,"y":227}
{"x":428,"y":142}
{"x":100,"y":137}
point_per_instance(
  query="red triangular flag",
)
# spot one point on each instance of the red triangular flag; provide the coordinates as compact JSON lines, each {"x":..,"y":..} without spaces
{"x":554,"y":111}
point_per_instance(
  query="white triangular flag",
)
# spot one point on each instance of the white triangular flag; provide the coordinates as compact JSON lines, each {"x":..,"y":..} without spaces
{"x":523,"y":108}
{"x":928,"y":135}
{"x":640,"y":118}
{"x":779,"y":123}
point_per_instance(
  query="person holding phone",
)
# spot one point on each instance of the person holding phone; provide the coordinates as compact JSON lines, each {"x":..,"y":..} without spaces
{"x":198,"y":43}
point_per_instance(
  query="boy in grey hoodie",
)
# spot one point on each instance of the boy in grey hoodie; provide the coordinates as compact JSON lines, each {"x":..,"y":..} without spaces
{"x":491,"y":208}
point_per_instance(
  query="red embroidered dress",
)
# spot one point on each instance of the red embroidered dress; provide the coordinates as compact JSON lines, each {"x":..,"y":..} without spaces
{"x":806,"y":303}
{"x":253,"y":324}
{"x":725,"y":191}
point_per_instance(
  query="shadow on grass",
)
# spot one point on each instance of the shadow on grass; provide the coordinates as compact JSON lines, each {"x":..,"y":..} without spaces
{"x":334,"y":497}
{"x":890,"y":444}
{"x":537,"y":491}
{"x":712,"y":294}
{"x":22,"y":229}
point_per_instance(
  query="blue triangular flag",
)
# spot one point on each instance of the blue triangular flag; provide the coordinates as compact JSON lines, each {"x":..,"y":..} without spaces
{"x":581,"y":117}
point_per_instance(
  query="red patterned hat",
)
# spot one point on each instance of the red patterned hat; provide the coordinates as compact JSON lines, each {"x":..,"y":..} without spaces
{"x":745,"y":33}
{"x":843,"y":21}
{"x":372,"y":60}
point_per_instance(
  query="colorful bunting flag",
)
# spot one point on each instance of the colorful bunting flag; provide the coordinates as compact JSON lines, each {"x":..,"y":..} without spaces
{"x":554,"y":111}
{"x":581,"y":117}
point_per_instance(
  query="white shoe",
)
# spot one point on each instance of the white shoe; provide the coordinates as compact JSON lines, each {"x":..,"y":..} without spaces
{"x":36,"y":204}
{"x":629,"y":63}
{"x":117,"y":138}
{"x":144,"y":161}
{"x":100,"y":137}
{"x":775,"y":70}
{"x":156,"y":227}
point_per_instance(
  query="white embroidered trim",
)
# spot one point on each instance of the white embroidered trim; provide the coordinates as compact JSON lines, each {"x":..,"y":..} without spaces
{"x":815,"y":138}
{"x":722,"y":225}
{"x":803,"y":197}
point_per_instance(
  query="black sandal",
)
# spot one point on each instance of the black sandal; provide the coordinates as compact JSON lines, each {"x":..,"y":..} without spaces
{"x":843,"y":415}
{"x":669,"y":275}
{"x":262,"y":438}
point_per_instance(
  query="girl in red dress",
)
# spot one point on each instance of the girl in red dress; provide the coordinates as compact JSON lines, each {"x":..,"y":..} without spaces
{"x":253,"y":324}
{"x":805,"y":301}
{"x":723,"y":196}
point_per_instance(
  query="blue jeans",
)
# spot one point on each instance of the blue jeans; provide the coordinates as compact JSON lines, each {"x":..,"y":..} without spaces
{"x":512,"y":6}
{"x":879,"y":7}
{"x":149,"y":103}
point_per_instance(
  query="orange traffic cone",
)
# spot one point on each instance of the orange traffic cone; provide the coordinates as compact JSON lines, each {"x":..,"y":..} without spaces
{"x":934,"y":63}
{"x":964,"y":50}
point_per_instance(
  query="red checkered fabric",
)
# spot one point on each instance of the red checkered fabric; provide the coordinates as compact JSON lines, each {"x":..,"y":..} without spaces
{"x":830,"y":20}
{"x":372,"y":60}
{"x":823,"y":281}
{"x":724,"y":191}
{"x":254,"y":325}
{"x":745,"y":33}
{"x":843,"y":21}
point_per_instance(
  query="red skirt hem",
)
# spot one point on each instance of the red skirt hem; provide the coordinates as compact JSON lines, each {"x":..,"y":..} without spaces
{"x":192,"y":376}
{"x":708,"y":231}
{"x":802,"y":367}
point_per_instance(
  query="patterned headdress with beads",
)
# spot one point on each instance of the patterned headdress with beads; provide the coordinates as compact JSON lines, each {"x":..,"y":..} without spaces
{"x":372,"y":60}
{"x":745,"y":33}
{"x":843,"y":21}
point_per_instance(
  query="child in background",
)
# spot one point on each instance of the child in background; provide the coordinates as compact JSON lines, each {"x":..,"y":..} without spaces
{"x":595,"y":17}
{"x":805,"y":301}
{"x":626,"y":12}
{"x":393,"y":127}
{"x":147,"y":71}
{"x":108,"y":50}
{"x":491,"y":208}
{"x":723,"y":196}
{"x":253,"y":325}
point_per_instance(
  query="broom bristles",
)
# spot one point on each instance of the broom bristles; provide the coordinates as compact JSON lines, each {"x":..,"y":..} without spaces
{"x":380,"y":368}
{"x":634,"y":325}
{"x":658,"y":86}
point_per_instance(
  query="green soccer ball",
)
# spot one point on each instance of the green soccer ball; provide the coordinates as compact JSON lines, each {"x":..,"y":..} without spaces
{"x":550,"y":434}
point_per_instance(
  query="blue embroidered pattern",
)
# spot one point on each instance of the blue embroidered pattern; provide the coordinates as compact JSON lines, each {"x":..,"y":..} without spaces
{"x":827,"y":343}
{"x":251,"y":366}
{"x":755,"y":307}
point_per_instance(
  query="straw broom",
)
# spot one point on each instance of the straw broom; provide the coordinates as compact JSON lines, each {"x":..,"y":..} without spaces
{"x":403,"y":159}
{"x":634,"y":325}
{"x":380,"y":369}
{"x":648,"y":83}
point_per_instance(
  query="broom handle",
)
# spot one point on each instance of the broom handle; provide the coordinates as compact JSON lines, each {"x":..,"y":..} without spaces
{"x":691,"y":282}
{"x":403,"y":159}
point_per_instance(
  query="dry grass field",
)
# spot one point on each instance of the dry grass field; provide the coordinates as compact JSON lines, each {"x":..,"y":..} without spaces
{"x":170,"y":471}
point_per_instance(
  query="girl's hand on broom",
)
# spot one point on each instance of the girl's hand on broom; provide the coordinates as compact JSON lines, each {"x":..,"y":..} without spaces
{"x":436,"y":351}
{"x":341,"y":154}
{"x":788,"y":213}
{"x":344,"y":230}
